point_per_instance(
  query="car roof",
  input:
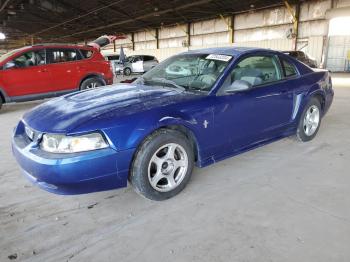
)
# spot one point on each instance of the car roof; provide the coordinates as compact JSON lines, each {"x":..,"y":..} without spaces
{"x":232,"y":51}
{"x":54,"y":46}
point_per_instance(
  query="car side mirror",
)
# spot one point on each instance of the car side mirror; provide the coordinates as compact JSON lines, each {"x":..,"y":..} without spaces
{"x":238,"y":86}
{"x":10,"y":65}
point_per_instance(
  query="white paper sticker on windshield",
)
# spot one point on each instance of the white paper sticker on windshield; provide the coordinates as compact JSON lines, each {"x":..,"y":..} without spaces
{"x":224,"y":58}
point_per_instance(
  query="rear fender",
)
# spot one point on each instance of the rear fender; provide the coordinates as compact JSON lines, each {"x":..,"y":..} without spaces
{"x":312,"y":93}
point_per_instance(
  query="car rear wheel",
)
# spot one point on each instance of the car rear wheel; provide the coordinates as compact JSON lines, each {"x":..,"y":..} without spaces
{"x":0,"y":102}
{"x":127,"y":71}
{"x":163,"y":165}
{"x":91,"y":83}
{"x":310,"y":121}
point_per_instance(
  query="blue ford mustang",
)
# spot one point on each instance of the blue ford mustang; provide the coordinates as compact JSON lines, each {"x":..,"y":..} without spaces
{"x":196,"y":108}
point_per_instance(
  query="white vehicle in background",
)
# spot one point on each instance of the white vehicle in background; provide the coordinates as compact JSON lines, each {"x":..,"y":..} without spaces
{"x":114,"y":61}
{"x":139,"y":64}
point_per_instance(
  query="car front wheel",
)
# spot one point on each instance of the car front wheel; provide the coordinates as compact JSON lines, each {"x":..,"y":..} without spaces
{"x":310,"y":121}
{"x":163,"y":165}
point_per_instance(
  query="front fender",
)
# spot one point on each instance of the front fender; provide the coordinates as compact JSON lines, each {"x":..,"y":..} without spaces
{"x":133,"y":130}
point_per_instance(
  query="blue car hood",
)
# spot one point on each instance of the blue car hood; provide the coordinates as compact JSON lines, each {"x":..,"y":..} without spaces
{"x":63,"y":114}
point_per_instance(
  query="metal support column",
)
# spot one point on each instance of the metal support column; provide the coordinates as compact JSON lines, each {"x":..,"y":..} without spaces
{"x":133,"y":41}
{"x":157,"y":38}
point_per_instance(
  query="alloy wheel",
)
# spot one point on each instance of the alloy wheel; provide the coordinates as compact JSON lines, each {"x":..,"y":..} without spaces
{"x":311,"y":120}
{"x":93,"y":85}
{"x":167,"y":167}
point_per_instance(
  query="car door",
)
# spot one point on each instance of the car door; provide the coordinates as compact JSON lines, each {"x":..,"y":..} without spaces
{"x":148,"y":62}
{"x":63,"y":66}
{"x":27,"y":74}
{"x":137,"y":64}
{"x":260,"y":113}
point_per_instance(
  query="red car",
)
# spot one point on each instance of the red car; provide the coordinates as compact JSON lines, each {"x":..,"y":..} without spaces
{"x":42,"y":71}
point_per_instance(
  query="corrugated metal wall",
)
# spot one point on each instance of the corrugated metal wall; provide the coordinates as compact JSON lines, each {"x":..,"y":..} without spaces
{"x":267,"y":28}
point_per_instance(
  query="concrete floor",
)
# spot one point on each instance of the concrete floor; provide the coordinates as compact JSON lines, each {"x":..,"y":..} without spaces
{"x":287,"y":201}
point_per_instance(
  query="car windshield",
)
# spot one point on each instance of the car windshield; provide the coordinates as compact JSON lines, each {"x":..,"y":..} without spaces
{"x":187,"y":72}
{"x":7,"y":55}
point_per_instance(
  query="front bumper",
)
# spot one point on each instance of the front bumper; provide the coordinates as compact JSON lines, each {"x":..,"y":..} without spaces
{"x":77,"y":173}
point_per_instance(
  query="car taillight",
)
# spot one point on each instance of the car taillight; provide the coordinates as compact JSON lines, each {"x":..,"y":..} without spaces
{"x":111,"y":66}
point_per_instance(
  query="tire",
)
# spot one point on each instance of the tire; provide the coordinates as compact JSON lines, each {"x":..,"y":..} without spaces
{"x":310,"y":120}
{"x":0,"y":103}
{"x":92,"y":83}
{"x":127,"y":71}
{"x":156,"y":172}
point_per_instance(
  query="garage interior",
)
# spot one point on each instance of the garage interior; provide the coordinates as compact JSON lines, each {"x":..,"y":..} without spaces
{"x":286,"y":201}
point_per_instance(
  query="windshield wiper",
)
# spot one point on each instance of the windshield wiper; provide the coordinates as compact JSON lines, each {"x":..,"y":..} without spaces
{"x":197,"y":89}
{"x":167,"y":81}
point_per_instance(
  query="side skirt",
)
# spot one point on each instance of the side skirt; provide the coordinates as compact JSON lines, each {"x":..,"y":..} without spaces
{"x":221,"y":157}
{"x":32,"y":97}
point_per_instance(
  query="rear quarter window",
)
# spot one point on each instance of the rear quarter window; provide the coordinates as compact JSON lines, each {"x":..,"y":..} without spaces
{"x":86,"y":53}
{"x":148,"y":58}
{"x":288,"y":68}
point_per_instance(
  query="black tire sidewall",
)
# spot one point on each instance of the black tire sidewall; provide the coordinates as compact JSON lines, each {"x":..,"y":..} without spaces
{"x":139,"y":171}
{"x":88,"y":81}
{"x":127,"y":71}
{"x":300,"y":131}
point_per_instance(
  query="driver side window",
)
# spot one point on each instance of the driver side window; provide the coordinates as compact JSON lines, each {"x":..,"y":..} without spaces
{"x":31,"y":58}
{"x":255,"y":70}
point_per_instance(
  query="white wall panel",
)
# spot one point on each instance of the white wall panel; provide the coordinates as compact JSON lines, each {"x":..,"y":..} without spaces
{"x":314,"y":10}
{"x":209,"y":26}
{"x":144,"y":35}
{"x":342,"y":3}
{"x":215,"y":39}
{"x":313,"y":28}
{"x":315,"y":47}
{"x":258,"y":34}
{"x":262,"y":18}
{"x":172,"y":42}
{"x":174,"y":31}
{"x":145,"y":45}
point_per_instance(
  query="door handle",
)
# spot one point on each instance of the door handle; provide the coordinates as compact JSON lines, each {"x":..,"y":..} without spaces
{"x":42,"y":70}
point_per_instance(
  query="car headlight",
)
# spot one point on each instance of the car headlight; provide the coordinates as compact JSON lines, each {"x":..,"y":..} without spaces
{"x":54,"y":143}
